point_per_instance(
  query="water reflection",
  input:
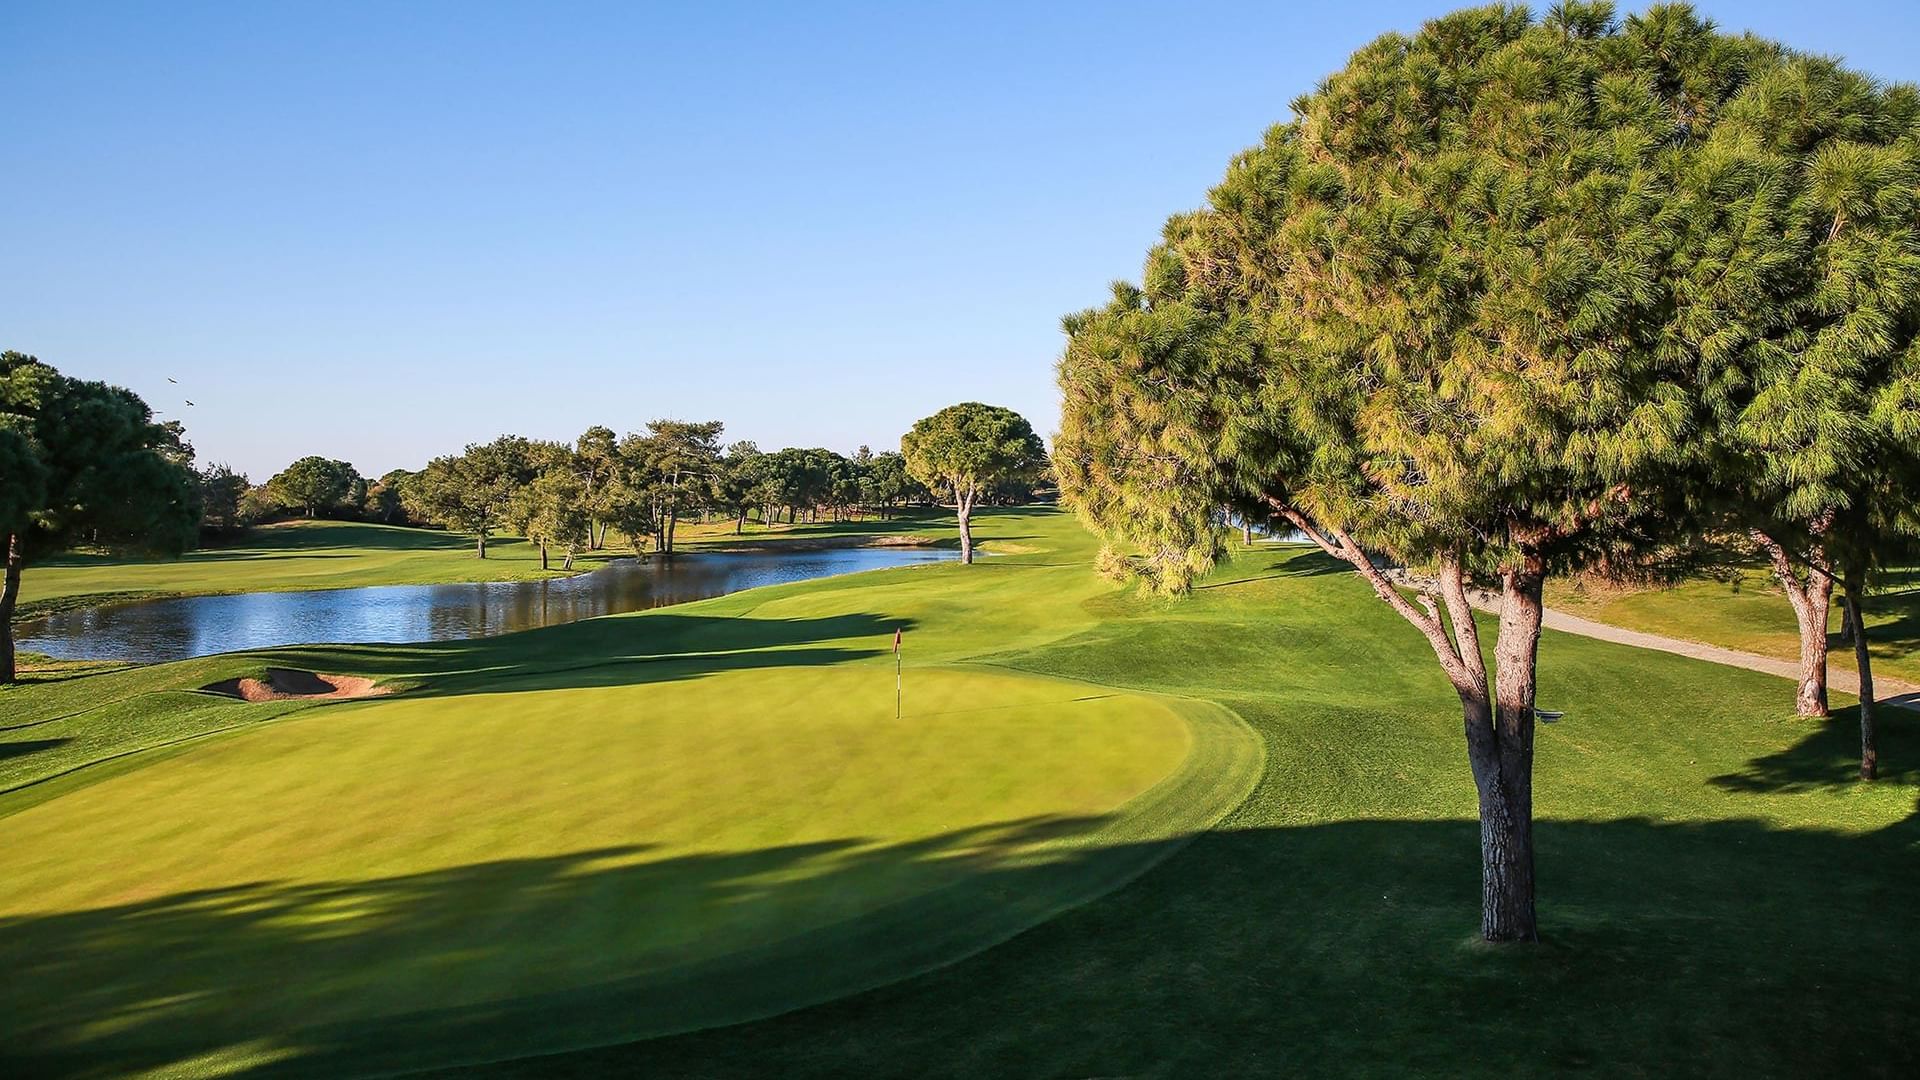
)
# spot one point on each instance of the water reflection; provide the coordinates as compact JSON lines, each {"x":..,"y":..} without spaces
{"x":202,"y":625}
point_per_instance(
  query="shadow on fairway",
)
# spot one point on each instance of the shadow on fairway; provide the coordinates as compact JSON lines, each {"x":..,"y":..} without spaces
{"x":26,"y":747}
{"x":618,"y":651}
{"x":1320,"y":950}
{"x":1829,"y":756}
{"x":153,"y":983}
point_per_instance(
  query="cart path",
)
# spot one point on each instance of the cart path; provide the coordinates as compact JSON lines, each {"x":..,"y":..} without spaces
{"x":1841,"y":677}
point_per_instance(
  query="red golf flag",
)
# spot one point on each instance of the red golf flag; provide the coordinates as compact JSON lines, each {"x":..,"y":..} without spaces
{"x":896,"y":641}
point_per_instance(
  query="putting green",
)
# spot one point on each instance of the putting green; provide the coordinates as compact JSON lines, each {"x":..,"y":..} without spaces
{"x":494,"y":874}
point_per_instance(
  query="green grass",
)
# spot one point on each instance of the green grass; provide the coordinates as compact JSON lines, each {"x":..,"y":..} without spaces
{"x":1751,"y":613}
{"x":598,"y":832}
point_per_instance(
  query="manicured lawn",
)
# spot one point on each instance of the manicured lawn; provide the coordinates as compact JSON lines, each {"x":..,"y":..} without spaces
{"x":598,"y":832}
{"x":1751,"y":613}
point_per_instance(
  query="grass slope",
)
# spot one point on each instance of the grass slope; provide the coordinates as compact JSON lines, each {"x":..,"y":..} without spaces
{"x":1719,"y":897}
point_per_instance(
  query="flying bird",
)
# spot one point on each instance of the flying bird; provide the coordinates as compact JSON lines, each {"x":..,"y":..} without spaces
{"x":171,"y":379}
{"x":189,"y":402}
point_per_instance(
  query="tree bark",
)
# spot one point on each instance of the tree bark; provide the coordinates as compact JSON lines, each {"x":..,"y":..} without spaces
{"x":1505,"y":776}
{"x":1812,"y":600}
{"x":9,"y":598}
{"x":480,"y":545}
{"x":963,"y":507}
{"x":740,"y":523}
{"x":1869,"y":742}
{"x":543,"y":555}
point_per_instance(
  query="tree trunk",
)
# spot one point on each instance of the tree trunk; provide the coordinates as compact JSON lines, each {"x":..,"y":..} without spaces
{"x":1246,"y":532}
{"x":543,"y":555}
{"x":566,"y":560}
{"x":480,"y":545}
{"x":1503,"y":765}
{"x":1869,"y":744}
{"x":1499,"y":725}
{"x":1812,"y":601}
{"x":963,"y":505}
{"x":740,"y":523}
{"x":9,"y":597}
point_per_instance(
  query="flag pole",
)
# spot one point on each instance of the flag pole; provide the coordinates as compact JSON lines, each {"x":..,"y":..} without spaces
{"x":896,"y":673}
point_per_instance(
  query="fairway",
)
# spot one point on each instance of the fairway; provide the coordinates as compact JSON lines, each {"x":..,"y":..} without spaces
{"x":566,"y":841}
{"x":516,"y":862}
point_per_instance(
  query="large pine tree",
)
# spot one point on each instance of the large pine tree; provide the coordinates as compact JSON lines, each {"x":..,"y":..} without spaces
{"x":1434,"y":320}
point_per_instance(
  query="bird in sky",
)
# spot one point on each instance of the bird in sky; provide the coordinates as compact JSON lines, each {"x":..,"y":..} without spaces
{"x":171,"y":379}
{"x":189,"y":402}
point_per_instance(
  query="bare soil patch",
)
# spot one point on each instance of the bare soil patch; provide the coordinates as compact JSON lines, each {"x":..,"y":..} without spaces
{"x":284,"y":683}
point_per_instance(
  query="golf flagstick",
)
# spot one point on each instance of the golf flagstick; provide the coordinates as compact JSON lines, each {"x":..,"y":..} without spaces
{"x":896,"y":673}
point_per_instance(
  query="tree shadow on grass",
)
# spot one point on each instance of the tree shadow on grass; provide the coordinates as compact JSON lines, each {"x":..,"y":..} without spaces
{"x":26,"y":747}
{"x":506,"y":956}
{"x":1829,"y":756}
{"x":1269,"y":565}
{"x":661,"y":646}
{"x":1729,"y":948}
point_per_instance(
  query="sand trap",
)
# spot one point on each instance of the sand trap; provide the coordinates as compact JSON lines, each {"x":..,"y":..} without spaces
{"x":283,"y":683}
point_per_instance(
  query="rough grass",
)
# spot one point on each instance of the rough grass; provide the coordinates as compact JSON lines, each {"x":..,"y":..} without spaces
{"x":1719,"y":897}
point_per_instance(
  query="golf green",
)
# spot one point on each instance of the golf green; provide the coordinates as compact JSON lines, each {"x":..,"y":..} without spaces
{"x":684,"y":853}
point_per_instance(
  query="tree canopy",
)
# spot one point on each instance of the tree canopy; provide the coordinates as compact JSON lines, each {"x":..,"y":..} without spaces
{"x":316,"y":485}
{"x":966,"y":449}
{"x":474,"y":491}
{"x":1446,"y":318}
{"x":84,"y":462}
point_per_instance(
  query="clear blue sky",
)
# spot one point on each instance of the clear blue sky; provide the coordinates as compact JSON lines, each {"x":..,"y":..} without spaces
{"x":380,"y":231}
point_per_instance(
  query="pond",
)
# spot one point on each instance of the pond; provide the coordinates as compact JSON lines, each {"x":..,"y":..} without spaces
{"x":177,"y":628}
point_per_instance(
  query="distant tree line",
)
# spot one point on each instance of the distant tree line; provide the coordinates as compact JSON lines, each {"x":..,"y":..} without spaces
{"x":568,"y":498}
{"x":86,"y":464}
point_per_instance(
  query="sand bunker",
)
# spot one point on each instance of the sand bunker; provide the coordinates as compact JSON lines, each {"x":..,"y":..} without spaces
{"x":283,"y":683}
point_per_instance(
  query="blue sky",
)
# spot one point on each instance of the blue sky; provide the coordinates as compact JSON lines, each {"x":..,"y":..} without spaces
{"x":380,"y":231}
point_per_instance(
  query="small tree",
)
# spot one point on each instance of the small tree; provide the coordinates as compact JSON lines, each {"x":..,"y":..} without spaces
{"x":552,"y":508}
{"x":387,"y":499}
{"x":83,"y":461}
{"x":473,"y":492}
{"x":966,"y":449}
{"x":737,"y":490}
{"x":222,"y":492}
{"x":596,"y":456}
{"x":315,"y":484}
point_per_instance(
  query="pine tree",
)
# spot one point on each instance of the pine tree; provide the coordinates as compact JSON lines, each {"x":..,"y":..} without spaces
{"x":1432,"y":321}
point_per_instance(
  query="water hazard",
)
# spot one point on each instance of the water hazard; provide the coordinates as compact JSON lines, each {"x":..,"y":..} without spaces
{"x":181,"y":627}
